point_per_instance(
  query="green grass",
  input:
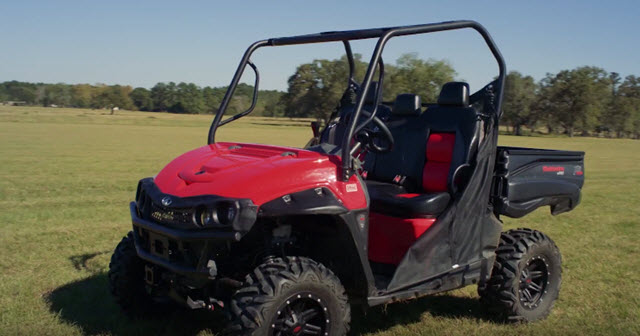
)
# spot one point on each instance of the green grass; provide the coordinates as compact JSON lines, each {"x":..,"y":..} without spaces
{"x":67,"y":175}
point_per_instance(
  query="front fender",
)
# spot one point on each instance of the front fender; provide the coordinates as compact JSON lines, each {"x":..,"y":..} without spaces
{"x":351,"y":236}
{"x":316,"y":201}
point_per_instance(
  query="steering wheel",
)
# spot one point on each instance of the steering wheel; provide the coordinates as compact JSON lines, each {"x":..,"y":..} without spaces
{"x":368,"y":136}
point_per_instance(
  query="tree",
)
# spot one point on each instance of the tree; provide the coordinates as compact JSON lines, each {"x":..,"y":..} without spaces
{"x":18,"y":91}
{"x":57,"y":94}
{"x":212,"y":98}
{"x":315,"y":88}
{"x":112,"y":96}
{"x":518,"y":104}
{"x":574,"y":99}
{"x":269,"y":103}
{"x":629,"y":106}
{"x":187,"y":99}
{"x":163,"y":96}
{"x":613,"y":118}
{"x":81,"y":95}
{"x":414,"y":75}
{"x":141,"y":99}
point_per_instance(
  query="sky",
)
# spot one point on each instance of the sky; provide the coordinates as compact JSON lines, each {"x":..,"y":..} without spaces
{"x":144,"y":42}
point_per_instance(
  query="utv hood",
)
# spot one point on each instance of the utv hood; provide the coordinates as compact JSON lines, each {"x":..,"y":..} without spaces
{"x":257,"y":172}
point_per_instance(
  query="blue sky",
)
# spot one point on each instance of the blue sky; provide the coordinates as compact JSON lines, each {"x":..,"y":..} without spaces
{"x":143,"y":43}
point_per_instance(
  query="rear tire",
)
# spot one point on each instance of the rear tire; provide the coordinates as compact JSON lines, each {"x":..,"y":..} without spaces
{"x":526,"y":277}
{"x":290,"y":296}
{"x":127,"y":285}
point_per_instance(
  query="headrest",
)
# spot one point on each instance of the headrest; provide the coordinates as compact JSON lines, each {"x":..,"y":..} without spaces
{"x":454,"y":94}
{"x":371,"y":94}
{"x":407,"y":104}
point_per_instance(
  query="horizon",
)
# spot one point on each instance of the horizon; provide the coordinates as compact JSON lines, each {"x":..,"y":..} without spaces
{"x":202,"y":44}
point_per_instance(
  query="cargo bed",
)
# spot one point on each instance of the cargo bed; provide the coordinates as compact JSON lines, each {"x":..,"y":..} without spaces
{"x":528,"y":178}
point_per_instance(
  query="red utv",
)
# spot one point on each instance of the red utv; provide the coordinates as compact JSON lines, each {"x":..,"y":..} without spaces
{"x":391,"y":201}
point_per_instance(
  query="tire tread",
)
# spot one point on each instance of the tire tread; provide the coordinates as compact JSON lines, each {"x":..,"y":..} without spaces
{"x":262,"y":287}
{"x":501,"y":291}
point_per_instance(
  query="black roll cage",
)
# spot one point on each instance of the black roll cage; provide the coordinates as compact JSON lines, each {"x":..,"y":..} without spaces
{"x":383,"y":35}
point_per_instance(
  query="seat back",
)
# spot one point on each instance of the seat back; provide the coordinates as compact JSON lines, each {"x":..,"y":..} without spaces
{"x":407,"y":128}
{"x":433,"y":150}
{"x":452,"y":141}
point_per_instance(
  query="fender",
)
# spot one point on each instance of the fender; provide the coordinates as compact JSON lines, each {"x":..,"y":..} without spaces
{"x":353,"y":225}
{"x":316,"y":201}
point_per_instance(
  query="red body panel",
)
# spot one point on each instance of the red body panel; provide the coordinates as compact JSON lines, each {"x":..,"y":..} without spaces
{"x":391,"y":237}
{"x":257,"y":172}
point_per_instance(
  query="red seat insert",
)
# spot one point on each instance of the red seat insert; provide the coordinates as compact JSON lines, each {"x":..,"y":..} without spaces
{"x":408,"y":195}
{"x":435,"y":175}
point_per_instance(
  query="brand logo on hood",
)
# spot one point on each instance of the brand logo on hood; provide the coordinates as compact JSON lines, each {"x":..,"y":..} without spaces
{"x":167,"y":201}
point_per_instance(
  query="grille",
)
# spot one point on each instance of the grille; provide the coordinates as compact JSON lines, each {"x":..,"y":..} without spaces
{"x":174,"y":217}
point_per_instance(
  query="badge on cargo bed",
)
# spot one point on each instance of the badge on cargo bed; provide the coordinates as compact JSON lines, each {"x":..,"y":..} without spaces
{"x":577,"y":170}
{"x":559,"y":170}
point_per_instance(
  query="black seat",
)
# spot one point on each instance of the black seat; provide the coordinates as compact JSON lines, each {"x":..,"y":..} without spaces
{"x":394,"y":200}
{"x":407,"y":125}
{"x":432,"y":157}
{"x":454,"y":117}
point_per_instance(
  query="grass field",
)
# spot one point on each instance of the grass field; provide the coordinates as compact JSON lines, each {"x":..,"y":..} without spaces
{"x":67,"y":175}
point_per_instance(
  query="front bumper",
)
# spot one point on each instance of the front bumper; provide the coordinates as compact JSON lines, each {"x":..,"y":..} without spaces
{"x":185,"y":252}
{"x":168,"y":233}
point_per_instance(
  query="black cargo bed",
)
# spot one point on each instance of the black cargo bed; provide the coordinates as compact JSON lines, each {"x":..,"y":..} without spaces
{"x":528,"y":178}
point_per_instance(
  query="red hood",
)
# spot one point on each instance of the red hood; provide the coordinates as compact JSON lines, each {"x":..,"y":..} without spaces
{"x":257,"y":172}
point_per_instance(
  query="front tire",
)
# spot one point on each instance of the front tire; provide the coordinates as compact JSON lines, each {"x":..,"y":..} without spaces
{"x":526,"y":277}
{"x":290,"y":296}
{"x":127,"y":285}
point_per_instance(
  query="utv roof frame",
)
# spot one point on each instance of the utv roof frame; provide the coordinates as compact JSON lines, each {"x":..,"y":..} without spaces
{"x":383,"y":35}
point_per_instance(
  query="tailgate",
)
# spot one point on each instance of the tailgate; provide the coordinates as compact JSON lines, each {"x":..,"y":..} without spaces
{"x":528,"y":178}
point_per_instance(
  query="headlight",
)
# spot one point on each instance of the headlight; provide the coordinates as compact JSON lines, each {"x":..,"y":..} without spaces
{"x":226,"y":214}
{"x":207,"y":218}
{"x":204,"y":217}
{"x":222,"y":215}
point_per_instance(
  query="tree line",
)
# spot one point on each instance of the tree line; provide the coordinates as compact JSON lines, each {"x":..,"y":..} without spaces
{"x":585,"y":101}
{"x":582,"y":101}
{"x":162,"y":97}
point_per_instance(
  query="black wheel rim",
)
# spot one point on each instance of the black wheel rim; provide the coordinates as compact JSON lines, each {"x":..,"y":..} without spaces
{"x":301,"y":314}
{"x":534,"y":280}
